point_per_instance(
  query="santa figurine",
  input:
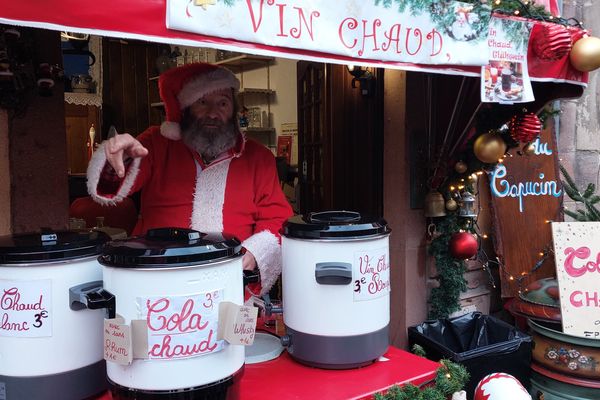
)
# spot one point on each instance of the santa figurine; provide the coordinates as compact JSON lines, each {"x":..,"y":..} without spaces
{"x":500,"y":386}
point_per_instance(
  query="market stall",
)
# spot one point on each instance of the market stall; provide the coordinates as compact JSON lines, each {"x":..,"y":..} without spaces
{"x":503,"y":60}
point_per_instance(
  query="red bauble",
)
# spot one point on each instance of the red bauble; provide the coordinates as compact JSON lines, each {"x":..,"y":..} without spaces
{"x":525,"y":127}
{"x":554,"y":42}
{"x":462,"y":245}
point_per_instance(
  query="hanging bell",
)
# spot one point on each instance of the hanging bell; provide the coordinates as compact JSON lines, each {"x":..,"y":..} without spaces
{"x":467,"y":205}
{"x":435,"y":205}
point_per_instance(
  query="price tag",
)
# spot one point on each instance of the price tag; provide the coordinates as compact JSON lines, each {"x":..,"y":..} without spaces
{"x":26,"y":308}
{"x":117,"y":341}
{"x":237,"y":324}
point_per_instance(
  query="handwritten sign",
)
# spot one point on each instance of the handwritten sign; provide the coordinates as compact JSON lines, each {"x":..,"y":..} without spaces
{"x":577,"y":252}
{"x":371,"y":274}
{"x":525,"y":193}
{"x":452,"y":33}
{"x":182,"y":326}
{"x":505,"y":78}
{"x":117,"y":341}
{"x":502,"y":186}
{"x":237,"y":324}
{"x":26,"y":308}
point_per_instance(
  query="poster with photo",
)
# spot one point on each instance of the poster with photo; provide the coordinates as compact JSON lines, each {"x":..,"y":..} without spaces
{"x":505,"y":78}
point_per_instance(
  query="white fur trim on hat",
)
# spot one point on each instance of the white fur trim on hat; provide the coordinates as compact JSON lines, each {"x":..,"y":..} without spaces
{"x":171,"y":130}
{"x":218,"y":79}
{"x":267,"y":251}
{"x":94,"y":170}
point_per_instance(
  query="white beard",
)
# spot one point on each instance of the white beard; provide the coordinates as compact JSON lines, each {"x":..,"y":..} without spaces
{"x":209,"y":142}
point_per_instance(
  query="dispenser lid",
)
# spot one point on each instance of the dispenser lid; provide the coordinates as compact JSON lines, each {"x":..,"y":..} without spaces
{"x":49,"y":245}
{"x":170,"y":247}
{"x":334,"y":225}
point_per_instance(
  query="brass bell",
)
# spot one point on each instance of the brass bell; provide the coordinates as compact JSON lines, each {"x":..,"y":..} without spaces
{"x":435,"y":205}
{"x":467,"y":205}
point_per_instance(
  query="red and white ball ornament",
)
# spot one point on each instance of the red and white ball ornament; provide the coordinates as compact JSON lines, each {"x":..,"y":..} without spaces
{"x":500,"y":386}
{"x":462,"y":245}
{"x":525,"y":127}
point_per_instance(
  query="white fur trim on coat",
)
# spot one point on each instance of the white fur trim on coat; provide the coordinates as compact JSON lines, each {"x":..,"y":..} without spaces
{"x":171,"y":130}
{"x":267,"y":251}
{"x":209,"y":197}
{"x":204,"y":84}
{"x":95,"y":167}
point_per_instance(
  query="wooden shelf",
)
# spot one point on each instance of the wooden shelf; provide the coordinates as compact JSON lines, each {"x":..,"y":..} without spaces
{"x":245,"y":62}
{"x":257,"y":130}
{"x":251,"y":91}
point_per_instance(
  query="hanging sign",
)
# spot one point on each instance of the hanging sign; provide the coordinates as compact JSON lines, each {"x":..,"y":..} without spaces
{"x":416,"y":32}
{"x":505,"y":78}
{"x":577,"y":253}
{"x":371,"y":274}
{"x":526,"y":193}
{"x":504,"y":184}
{"x":182,"y":326}
{"x":26,"y":308}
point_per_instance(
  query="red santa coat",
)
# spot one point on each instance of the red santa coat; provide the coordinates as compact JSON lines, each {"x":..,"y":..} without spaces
{"x":238,"y":194}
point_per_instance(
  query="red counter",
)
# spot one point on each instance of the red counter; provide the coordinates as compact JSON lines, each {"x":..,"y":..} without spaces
{"x":284,"y":379}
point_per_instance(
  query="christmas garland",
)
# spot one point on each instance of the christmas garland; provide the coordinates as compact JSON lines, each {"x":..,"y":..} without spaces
{"x":444,"y":299}
{"x":450,"y":378}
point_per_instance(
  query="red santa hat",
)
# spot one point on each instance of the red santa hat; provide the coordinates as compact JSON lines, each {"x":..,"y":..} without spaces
{"x":180,"y":87}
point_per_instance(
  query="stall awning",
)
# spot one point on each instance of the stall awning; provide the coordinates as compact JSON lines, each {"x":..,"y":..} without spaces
{"x":382,"y":33}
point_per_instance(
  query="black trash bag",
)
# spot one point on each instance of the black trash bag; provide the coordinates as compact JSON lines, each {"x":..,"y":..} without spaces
{"x":482,"y":343}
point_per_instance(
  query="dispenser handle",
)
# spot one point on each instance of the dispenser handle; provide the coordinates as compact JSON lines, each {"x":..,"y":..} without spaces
{"x":333,"y":273}
{"x":93,"y":296}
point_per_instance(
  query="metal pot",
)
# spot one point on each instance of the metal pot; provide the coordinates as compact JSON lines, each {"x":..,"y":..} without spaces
{"x":171,"y":281}
{"x":46,"y":341}
{"x":336,"y":285}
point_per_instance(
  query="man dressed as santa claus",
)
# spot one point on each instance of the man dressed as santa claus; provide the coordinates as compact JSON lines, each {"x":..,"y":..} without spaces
{"x":197,"y":170}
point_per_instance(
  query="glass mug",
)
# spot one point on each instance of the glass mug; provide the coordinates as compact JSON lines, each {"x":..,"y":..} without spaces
{"x":506,"y":79}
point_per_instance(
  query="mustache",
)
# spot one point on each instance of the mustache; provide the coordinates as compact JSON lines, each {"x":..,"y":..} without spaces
{"x":210,"y":122}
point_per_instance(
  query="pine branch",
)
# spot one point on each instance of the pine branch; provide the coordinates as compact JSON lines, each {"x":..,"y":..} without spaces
{"x":588,"y":198}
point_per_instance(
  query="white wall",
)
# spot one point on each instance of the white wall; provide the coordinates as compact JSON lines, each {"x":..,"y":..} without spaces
{"x":283,"y":81}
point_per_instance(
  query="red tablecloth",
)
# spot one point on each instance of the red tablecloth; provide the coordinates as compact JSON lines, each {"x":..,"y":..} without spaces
{"x":284,"y":379}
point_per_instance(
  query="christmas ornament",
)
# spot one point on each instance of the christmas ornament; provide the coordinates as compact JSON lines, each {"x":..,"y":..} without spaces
{"x":467,"y":205}
{"x":500,"y":386}
{"x":462,"y":395}
{"x":45,"y":81}
{"x":585,"y":54}
{"x":525,"y":127}
{"x":451,"y":205}
{"x":462,"y":245}
{"x":489,"y":148}
{"x":460,"y":167}
{"x":473,"y":179}
{"x":553,"y":43}
{"x":529,"y":149}
{"x":434,"y":204}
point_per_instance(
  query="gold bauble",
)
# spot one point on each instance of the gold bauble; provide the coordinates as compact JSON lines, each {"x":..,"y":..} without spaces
{"x":585,"y":54}
{"x":460,"y":167}
{"x":529,"y":149}
{"x":489,"y":148}
{"x":451,"y":205}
